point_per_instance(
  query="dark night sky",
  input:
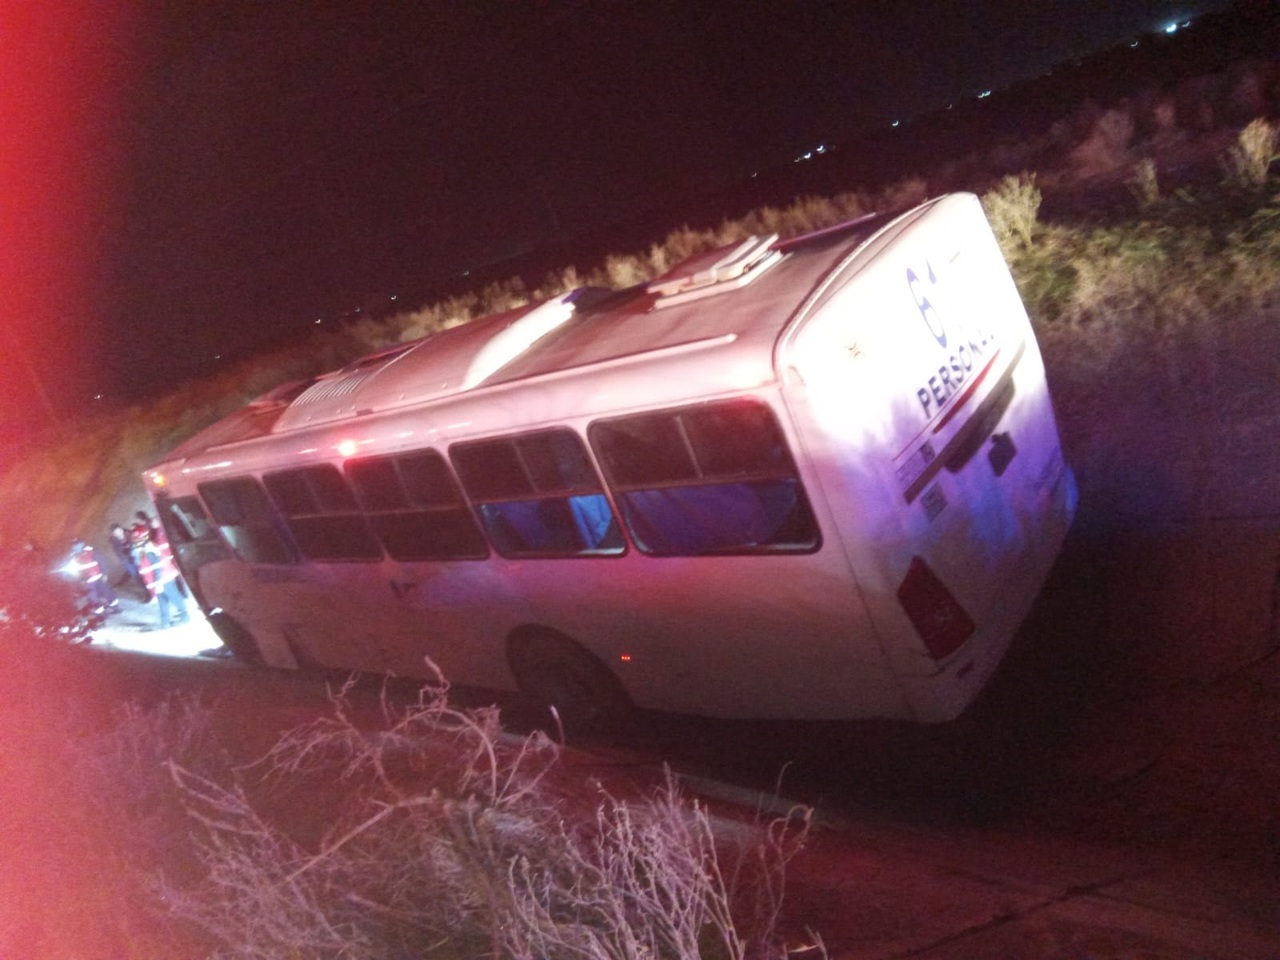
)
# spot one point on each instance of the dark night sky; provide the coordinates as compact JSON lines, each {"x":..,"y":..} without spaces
{"x":193,"y":179}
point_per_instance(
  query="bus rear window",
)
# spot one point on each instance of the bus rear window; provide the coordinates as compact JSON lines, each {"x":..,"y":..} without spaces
{"x":321,"y":512}
{"x":415,"y":509}
{"x":244,"y":517}
{"x":538,"y":496}
{"x":712,"y":479}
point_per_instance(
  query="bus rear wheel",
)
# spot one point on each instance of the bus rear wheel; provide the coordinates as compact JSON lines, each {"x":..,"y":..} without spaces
{"x":236,"y":637}
{"x":562,"y":674}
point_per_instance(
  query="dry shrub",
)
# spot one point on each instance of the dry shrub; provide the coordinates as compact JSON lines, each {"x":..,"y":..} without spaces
{"x":1145,"y":184}
{"x":680,"y":245}
{"x":501,"y":296}
{"x":454,"y":840}
{"x":1106,"y":148}
{"x":1012,"y":209}
{"x":807,"y":214}
{"x":903,"y":195}
{"x":731,"y":232}
{"x":627,"y":271}
{"x":1177,"y":273}
{"x":1252,"y":257}
{"x":1249,"y":160}
{"x":559,"y":283}
{"x":1248,"y":95}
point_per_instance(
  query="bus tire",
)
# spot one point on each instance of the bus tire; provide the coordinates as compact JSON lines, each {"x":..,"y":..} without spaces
{"x":236,"y":637}
{"x":562,"y":674}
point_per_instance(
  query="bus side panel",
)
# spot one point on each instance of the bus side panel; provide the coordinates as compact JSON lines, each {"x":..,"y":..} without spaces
{"x":924,"y":409}
{"x":726,"y":636}
{"x":384,"y":617}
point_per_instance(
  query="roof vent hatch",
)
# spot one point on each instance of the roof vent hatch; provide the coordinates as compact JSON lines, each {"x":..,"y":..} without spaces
{"x":716,"y":271}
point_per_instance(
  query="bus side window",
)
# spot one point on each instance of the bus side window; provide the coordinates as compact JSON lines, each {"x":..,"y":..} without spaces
{"x":322,"y":514}
{"x":538,"y":495}
{"x":246,"y":520}
{"x":185,"y":521}
{"x":414,"y":507}
{"x":712,"y":479}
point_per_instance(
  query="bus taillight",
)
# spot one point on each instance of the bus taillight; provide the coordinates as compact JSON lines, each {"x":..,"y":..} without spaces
{"x":942,"y":623}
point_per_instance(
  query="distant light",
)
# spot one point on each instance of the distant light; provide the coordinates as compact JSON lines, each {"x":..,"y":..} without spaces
{"x":984,"y":94}
{"x":348,"y":448}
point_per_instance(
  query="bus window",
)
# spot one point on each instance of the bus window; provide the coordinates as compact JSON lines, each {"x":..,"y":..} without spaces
{"x":538,"y":496}
{"x":322,"y":514}
{"x":185,"y":521}
{"x":711,"y":479}
{"x":415,"y":509}
{"x":244,"y":517}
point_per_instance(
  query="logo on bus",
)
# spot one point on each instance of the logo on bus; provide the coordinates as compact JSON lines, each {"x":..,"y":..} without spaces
{"x":928,"y":311}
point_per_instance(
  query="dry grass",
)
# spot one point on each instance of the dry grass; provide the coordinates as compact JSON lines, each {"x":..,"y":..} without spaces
{"x":416,"y":830}
{"x":431,"y":833}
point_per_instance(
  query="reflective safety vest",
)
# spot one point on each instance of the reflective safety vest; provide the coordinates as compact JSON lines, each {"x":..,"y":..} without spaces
{"x":84,"y":564}
{"x":139,"y":536}
{"x":156,"y":566}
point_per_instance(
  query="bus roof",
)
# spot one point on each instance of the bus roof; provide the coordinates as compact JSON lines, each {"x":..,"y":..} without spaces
{"x":588,"y":333}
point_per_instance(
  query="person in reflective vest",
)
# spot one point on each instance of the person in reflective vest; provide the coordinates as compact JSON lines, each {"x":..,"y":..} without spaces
{"x":139,"y":534}
{"x":160,"y":575}
{"x":95,"y":588}
{"x":148,"y":530}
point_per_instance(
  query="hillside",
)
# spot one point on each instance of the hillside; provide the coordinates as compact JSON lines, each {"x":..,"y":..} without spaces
{"x":1136,"y":228}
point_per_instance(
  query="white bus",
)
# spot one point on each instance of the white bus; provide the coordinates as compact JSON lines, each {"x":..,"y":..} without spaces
{"x":812,"y":478}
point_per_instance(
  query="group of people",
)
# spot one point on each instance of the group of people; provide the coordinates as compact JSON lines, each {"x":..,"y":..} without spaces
{"x":143,"y":552}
